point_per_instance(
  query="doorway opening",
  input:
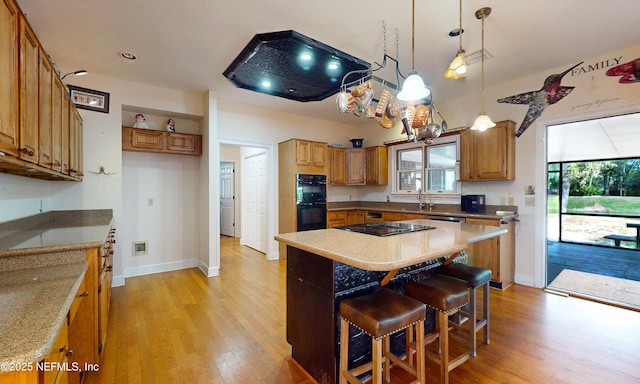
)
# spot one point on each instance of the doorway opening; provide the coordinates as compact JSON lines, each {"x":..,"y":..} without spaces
{"x":593,"y":209}
{"x":244,"y":172}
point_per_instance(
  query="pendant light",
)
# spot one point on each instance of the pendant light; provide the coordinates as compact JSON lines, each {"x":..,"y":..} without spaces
{"x":483,"y":122}
{"x":458,"y":68}
{"x":413,"y":88}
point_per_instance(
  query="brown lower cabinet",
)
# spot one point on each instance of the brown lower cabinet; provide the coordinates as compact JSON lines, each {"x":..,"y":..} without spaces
{"x":496,"y":254}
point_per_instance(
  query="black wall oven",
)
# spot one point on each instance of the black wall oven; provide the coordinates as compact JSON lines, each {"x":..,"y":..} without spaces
{"x":311,"y":201}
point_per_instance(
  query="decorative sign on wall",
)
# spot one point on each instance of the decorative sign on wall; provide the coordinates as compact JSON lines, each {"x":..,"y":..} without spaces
{"x":89,"y":99}
{"x":629,"y":72}
{"x":550,"y":93}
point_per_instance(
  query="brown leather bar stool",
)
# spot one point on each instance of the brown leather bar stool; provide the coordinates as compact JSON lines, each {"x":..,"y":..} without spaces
{"x":380,"y":314}
{"x":475,"y":278}
{"x":446,"y":295}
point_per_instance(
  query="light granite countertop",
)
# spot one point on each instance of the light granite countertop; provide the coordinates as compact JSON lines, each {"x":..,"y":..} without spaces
{"x":387,"y":253}
{"x":42,"y":264}
{"x":34,"y":304}
{"x":57,"y":231}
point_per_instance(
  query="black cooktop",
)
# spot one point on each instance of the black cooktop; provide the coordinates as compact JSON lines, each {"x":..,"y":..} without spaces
{"x":385,"y":228}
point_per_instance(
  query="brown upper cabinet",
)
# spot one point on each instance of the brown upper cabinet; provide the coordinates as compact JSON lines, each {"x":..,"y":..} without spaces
{"x":35,"y":108}
{"x":45,"y":116}
{"x":336,"y":167}
{"x":489,"y":155}
{"x":356,"y":166}
{"x":377,"y":166}
{"x":149,"y":140}
{"x":29,"y":85}
{"x":9,"y":101}
{"x":311,"y":153}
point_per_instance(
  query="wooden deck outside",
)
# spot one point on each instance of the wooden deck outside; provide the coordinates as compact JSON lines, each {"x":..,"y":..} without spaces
{"x":609,"y":261}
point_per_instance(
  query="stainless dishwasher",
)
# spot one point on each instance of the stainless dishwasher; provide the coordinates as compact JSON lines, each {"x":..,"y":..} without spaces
{"x":456,"y":219}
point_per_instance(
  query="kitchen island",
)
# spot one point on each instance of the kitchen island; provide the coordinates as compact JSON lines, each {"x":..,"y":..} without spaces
{"x":328,"y":265}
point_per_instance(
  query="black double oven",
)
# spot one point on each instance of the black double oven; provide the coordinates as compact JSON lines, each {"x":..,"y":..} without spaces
{"x":311,"y":201}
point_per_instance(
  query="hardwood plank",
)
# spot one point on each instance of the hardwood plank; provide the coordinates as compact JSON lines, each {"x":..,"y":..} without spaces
{"x":180,"y":327}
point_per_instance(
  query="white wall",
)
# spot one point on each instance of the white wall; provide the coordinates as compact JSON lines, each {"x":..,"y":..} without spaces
{"x":595,"y":95}
{"x":232,"y":123}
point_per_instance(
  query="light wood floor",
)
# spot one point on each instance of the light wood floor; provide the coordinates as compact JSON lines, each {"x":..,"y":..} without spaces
{"x":180,"y":327}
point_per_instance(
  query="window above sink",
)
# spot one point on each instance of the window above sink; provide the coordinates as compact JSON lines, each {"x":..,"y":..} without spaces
{"x":431,"y":169}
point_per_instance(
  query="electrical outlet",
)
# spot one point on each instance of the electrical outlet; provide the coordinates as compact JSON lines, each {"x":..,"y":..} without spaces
{"x":150,"y":202}
{"x":510,"y":200}
{"x":529,"y":201}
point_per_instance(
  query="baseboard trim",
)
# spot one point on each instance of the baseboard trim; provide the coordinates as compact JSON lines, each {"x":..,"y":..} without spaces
{"x":208,"y":271}
{"x":158,"y":268}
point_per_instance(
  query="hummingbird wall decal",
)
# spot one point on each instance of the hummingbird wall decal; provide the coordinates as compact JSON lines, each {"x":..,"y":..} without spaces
{"x":550,"y":93}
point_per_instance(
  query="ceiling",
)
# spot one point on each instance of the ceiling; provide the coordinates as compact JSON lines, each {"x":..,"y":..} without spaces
{"x":187,"y":45}
{"x":598,"y":139}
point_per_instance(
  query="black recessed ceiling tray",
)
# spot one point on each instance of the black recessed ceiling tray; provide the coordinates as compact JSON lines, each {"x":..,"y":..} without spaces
{"x":291,"y":65}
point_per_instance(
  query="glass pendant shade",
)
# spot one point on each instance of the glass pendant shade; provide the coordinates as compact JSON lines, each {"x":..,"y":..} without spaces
{"x":413,"y":88}
{"x":482,"y":123}
{"x":457,"y":69}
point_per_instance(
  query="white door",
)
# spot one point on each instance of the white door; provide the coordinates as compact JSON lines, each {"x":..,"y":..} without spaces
{"x":254,"y":205}
{"x":227,"y":199}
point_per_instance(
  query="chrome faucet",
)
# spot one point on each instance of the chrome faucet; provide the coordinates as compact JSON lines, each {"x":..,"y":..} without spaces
{"x":420,"y":204}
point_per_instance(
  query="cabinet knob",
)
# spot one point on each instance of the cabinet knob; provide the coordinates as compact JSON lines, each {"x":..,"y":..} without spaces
{"x":69,"y":353}
{"x":84,"y":294}
{"x":110,"y":268}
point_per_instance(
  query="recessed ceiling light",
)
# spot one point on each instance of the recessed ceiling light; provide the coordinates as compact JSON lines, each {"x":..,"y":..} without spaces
{"x":266,"y":84}
{"x":333,"y":65}
{"x":306,"y":56}
{"x":128,"y":55}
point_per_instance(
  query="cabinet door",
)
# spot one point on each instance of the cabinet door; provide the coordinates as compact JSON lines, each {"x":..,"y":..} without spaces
{"x":337,"y":166}
{"x":143,"y":139}
{"x":355,"y":158}
{"x":9,"y":72}
{"x":75,"y":143}
{"x":57,"y":120}
{"x":318,"y":154}
{"x":355,"y":217}
{"x":83,"y":331}
{"x":29,"y":68}
{"x":66,"y":127}
{"x":392,"y":216}
{"x":488,"y":155}
{"x":183,"y":143}
{"x":45,"y":115}
{"x":377,"y":170}
{"x":335,"y":219}
{"x":486,"y":253}
{"x":303,"y":153}
{"x":494,"y":152}
{"x":466,"y":156}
